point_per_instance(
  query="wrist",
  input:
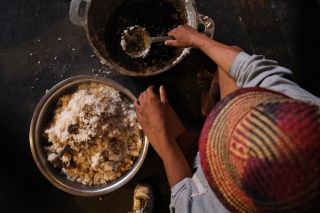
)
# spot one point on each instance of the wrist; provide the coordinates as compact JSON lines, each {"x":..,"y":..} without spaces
{"x":200,"y":40}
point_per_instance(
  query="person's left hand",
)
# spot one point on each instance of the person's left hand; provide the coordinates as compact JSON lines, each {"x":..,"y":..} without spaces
{"x":153,"y":108}
{"x":157,"y":117}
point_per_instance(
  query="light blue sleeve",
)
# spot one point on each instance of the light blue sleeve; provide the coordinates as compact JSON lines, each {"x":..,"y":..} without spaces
{"x":194,"y":195}
{"x":255,"y":70}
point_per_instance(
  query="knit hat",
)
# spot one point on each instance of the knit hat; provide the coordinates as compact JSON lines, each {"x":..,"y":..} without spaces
{"x":260,"y":152}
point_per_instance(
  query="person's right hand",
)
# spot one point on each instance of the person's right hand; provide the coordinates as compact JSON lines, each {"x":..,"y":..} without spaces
{"x":185,"y":36}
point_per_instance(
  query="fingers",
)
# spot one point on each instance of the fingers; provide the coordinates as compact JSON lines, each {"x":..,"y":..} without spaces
{"x":137,"y":105}
{"x":150,"y":90}
{"x":149,"y":94}
{"x":172,"y":32}
{"x":177,"y":35}
{"x":170,"y":43}
{"x":163,"y":94}
{"x":143,"y":98}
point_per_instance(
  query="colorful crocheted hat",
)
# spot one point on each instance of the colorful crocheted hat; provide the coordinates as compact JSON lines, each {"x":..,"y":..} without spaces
{"x":260,"y":152}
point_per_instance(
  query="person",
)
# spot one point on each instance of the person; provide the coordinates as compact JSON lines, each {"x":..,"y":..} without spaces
{"x":259,"y":148}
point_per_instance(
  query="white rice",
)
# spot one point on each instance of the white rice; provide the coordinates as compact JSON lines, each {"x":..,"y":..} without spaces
{"x":95,"y":135}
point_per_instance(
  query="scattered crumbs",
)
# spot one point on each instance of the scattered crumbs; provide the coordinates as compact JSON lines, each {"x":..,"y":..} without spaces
{"x":31,"y":54}
{"x":100,"y":198}
{"x":108,"y":72}
{"x":73,"y":49}
{"x":39,"y":62}
{"x":55,"y":58}
{"x":59,"y":39}
{"x":92,"y":56}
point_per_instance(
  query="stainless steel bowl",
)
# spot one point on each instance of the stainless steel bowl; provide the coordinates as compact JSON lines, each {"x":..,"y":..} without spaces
{"x":42,"y":116}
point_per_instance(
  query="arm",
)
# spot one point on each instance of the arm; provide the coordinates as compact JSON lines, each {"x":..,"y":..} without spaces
{"x":186,"y":36}
{"x":164,"y":130}
{"x":246,"y":70}
{"x":255,"y":70}
{"x":162,"y":127}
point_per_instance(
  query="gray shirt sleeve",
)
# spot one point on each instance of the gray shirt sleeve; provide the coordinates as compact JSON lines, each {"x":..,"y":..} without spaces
{"x":255,"y":70}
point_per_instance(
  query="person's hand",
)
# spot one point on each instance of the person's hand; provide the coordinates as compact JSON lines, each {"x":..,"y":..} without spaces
{"x":151,"y":114}
{"x":185,"y":36}
{"x":157,"y":117}
{"x":161,"y":126}
{"x":152,"y":108}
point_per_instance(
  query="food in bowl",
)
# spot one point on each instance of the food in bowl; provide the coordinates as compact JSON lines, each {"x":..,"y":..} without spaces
{"x":94,"y":136}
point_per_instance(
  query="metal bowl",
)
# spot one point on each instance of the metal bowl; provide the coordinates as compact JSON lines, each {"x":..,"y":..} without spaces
{"x":43,"y":115}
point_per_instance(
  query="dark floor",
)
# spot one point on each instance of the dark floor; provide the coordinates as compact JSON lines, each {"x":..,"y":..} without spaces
{"x":40,"y":47}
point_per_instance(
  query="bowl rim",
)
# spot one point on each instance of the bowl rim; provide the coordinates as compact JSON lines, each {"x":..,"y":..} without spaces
{"x":191,"y":20}
{"x":39,"y":156}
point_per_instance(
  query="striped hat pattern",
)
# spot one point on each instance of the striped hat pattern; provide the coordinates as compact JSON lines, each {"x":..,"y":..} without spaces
{"x":260,"y":152}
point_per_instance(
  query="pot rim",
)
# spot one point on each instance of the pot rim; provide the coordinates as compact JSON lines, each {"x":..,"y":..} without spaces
{"x":194,"y":19}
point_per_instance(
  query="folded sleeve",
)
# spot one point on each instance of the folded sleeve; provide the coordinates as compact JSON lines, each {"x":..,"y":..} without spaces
{"x":255,"y":70}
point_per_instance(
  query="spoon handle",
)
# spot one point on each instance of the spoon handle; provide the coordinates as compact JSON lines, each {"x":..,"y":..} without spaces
{"x":162,"y":38}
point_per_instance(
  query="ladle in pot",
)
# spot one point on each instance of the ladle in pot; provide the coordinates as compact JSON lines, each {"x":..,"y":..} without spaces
{"x":136,"y":41}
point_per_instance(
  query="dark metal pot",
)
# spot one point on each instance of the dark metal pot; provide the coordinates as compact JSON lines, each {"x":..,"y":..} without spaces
{"x":104,"y":22}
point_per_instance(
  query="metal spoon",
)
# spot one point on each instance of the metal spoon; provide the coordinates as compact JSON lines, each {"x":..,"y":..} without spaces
{"x":136,"y":41}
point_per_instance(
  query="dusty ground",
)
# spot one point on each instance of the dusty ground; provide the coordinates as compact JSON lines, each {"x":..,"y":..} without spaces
{"x":40,"y":47}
